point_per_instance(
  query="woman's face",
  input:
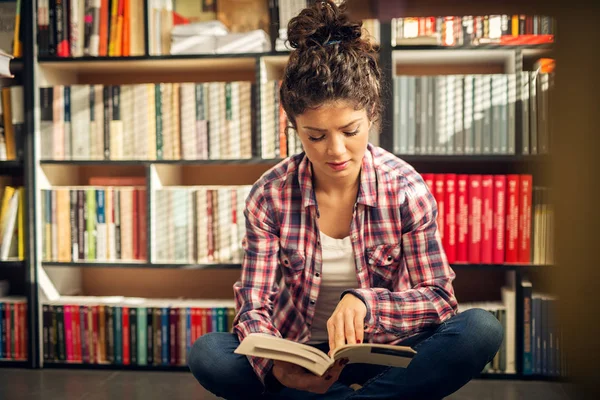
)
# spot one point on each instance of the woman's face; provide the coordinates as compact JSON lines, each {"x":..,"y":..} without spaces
{"x":334,"y":137}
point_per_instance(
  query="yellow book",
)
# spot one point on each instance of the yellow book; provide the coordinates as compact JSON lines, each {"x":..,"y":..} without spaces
{"x":21,"y":224}
{"x":9,"y":191}
{"x":17,"y":45}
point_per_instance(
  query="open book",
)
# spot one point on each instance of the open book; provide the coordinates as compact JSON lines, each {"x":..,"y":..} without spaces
{"x":267,"y":346}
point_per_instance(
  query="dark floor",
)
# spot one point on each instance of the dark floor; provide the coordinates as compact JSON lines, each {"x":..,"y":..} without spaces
{"x":18,"y":384}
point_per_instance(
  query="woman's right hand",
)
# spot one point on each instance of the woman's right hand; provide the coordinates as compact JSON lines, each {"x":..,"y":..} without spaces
{"x":296,"y":377}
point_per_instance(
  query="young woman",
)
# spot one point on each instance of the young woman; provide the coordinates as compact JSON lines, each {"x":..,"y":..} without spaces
{"x":342,"y":246}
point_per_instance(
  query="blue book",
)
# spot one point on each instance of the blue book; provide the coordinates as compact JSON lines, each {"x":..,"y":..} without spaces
{"x":188,"y":330}
{"x":165,"y":335}
{"x":118,"y":327}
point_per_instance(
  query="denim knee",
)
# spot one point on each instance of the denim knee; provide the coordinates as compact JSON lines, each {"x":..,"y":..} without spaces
{"x":203,"y":360}
{"x":485,"y":332}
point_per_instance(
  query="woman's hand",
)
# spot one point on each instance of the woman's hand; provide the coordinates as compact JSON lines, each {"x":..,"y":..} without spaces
{"x":346,"y":324}
{"x":296,"y":377}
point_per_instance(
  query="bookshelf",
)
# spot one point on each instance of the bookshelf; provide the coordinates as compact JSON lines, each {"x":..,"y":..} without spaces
{"x":16,"y":269}
{"x":157,"y":279}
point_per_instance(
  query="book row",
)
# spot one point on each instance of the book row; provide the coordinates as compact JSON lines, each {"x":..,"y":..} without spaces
{"x":130,"y":331}
{"x":487,"y":219}
{"x":542,"y":334}
{"x":162,"y":121}
{"x":13,"y":328}
{"x":76,"y":28}
{"x":94,"y":223}
{"x":504,"y":360}
{"x":203,"y":224}
{"x":472,"y":114}
{"x":107,"y":223}
{"x":473,"y":30}
{"x":12,"y":119}
{"x":12,"y":222}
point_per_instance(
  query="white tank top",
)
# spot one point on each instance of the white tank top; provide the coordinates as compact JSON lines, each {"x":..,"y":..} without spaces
{"x":338,"y":273}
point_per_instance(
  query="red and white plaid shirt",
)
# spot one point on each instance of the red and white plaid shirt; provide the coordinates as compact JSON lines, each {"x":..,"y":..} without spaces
{"x":402,"y":270}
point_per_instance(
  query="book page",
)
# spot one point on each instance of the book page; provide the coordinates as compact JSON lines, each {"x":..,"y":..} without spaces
{"x":380,"y":354}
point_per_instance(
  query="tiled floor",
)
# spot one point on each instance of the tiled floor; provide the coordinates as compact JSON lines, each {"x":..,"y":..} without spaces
{"x":18,"y":384}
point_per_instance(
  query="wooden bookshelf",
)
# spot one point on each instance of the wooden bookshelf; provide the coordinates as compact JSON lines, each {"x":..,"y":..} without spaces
{"x":172,"y":280}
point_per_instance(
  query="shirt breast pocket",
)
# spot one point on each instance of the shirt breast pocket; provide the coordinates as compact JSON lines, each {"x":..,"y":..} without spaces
{"x":292,"y":263}
{"x":384,"y":264}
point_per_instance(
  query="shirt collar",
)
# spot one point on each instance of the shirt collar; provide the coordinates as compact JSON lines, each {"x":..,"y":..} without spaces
{"x":367,"y":191}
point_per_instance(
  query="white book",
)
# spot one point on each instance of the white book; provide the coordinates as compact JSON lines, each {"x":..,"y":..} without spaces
{"x":318,"y":362}
{"x":80,"y":122}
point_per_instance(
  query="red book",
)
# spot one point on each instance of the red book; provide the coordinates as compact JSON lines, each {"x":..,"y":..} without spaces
{"x":95,"y":334}
{"x":512,"y":219}
{"x":487,"y":198}
{"x":440,"y":198}
{"x":135,"y":223}
{"x":499,"y":219}
{"x":125,"y":335}
{"x":23,"y":316}
{"x":462,"y":218}
{"x":474,"y":237}
{"x":16,"y":332}
{"x":524,"y":251}
{"x":450,"y":218}
{"x":429,"y":178}
{"x":8,"y":330}
{"x":173,"y":336}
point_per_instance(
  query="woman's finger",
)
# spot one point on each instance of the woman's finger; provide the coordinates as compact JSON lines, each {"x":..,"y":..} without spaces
{"x":339,"y":335}
{"x":359,"y":330}
{"x":349,"y":327}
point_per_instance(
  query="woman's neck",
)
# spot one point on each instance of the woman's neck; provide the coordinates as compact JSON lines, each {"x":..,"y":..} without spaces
{"x":338,"y":187}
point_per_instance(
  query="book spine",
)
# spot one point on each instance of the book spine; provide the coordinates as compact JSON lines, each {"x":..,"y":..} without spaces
{"x":474,"y":255}
{"x":512,"y":218}
{"x":462,"y":218}
{"x":499,"y":219}
{"x":487,"y":218}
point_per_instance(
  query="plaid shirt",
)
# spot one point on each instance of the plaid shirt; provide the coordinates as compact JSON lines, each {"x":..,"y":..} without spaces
{"x":404,"y":276}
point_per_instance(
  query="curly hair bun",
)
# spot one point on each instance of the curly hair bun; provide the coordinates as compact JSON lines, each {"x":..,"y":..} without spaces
{"x":322,"y":24}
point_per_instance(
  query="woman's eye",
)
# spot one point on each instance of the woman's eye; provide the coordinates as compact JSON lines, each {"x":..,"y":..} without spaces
{"x":353,"y":133}
{"x":315,"y":139}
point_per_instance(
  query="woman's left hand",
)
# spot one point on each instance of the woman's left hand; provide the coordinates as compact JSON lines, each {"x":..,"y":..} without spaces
{"x":346,"y":324}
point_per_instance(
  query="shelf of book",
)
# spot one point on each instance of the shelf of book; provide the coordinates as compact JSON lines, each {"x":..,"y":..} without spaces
{"x":499,"y":267}
{"x":256,"y":160}
{"x":229,"y":266}
{"x":141,"y":264}
{"x":491,"y":46}
{"x":226,"y":61}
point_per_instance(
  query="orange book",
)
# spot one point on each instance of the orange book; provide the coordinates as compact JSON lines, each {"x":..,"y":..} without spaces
{"x":126,"y":51}
{"x":103,"y":48}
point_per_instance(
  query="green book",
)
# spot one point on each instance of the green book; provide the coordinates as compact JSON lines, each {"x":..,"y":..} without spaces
{"x":141,"y":336}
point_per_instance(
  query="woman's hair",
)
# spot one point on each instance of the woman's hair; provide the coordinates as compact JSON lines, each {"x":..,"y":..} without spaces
{"x":330,"y":62}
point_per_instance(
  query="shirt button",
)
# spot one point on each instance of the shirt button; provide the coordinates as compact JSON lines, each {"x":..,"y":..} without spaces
{"x":354,"y":237}
{"x":389,"y":258}
{"x":286,"y":262}
{"x":317,"y":274}
{"x":371,"y":261}
{"x":312,"y":301}
{"x":366,"y":327}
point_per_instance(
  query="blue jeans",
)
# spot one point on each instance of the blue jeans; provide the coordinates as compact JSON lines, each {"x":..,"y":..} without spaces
{"x":448,"y":357}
